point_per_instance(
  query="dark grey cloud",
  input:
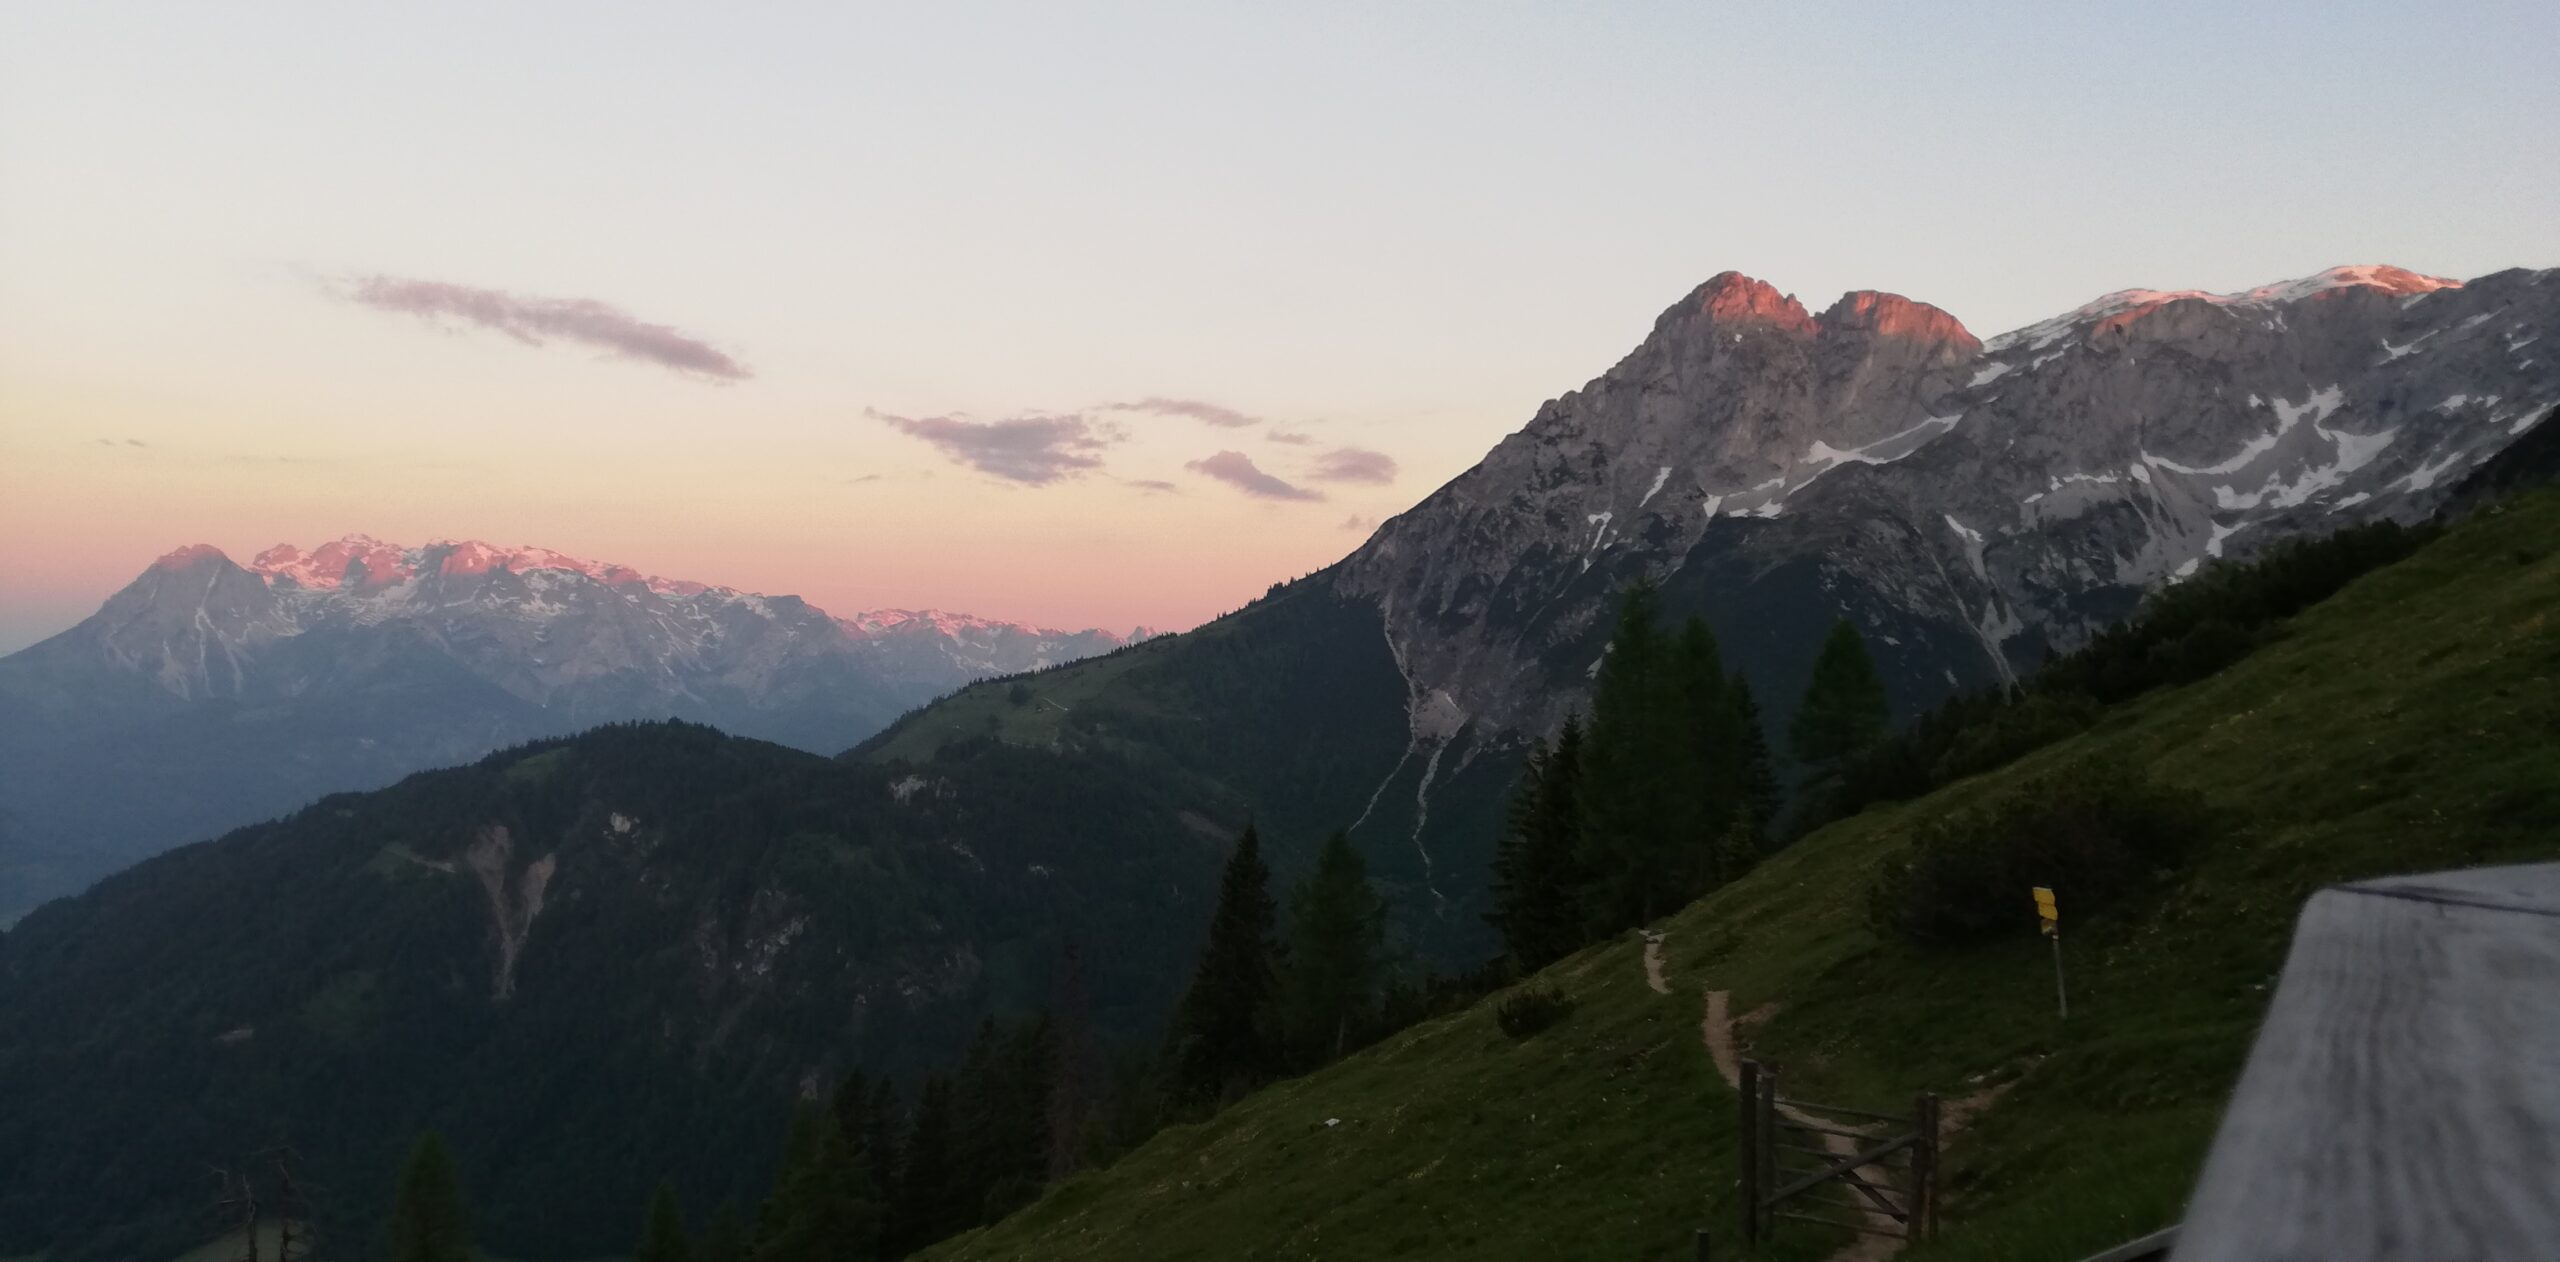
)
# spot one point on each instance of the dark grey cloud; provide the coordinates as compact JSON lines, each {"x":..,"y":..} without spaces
{"x":1032,"y":450}
{"x":535,"y":321}
{"x":1238,"y":470}
{"x":1206,"y":413}
{"x":1291,"y":437}
{"x":1354,"y":464}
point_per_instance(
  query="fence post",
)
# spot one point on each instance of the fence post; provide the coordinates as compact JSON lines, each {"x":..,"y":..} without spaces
{"x":1924,"y":1170}
{"x":1768,"y":1175}
{"x":1749,"y":1137}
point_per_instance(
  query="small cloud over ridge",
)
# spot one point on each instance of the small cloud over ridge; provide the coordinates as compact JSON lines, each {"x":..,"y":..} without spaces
{"x":1206,"y":413}
{"x":1354,"y":464}
{"x":1236,"y":469}
{"x":534,"y":320}
{"x":1032,"y":450}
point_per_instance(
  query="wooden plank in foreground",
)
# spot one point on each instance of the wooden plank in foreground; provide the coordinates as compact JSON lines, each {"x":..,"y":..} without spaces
{"x":2403,"y":1098}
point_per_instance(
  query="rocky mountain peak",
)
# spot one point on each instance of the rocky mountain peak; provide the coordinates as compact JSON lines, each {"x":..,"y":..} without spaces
{"x":1731,"y":299}
{"x":178,"y":560}
{"x":1883,"y":315}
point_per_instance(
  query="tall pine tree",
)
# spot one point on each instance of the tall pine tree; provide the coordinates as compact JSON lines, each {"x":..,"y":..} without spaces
{"x":817,"y":1212}
{"x":662,"y":1235}
{"x":1845,"y":711}
{"x":1633,"y":755}
{"x":1337,"y":943}
{"x":428,"y":1220}
{"x":1223,"y":1041}
{"x":927,"y":1206}
{"x":725,"y":1240}
{"x":1538,"y":872}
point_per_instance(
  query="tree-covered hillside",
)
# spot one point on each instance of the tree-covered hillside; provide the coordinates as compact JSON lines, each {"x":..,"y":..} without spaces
{"x":590,"y":963}
{"x":2410,"y":722}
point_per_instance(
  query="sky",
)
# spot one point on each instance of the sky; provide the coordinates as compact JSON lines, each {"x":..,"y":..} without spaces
{"x":1084,"y":314}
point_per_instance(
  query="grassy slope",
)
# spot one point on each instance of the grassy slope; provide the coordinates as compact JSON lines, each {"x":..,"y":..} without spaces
{"x":2409,"y":723}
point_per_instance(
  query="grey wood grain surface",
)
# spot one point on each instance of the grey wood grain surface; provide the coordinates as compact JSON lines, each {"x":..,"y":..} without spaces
{"x":2403,"y":1098}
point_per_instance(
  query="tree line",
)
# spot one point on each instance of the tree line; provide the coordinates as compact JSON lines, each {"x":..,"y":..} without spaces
{"x":1669,"y":789}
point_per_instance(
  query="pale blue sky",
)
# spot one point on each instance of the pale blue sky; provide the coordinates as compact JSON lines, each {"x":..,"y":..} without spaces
{"x":1393,"y":227}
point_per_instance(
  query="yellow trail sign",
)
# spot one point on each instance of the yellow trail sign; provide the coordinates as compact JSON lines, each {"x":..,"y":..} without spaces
{"x":2051,"y":918}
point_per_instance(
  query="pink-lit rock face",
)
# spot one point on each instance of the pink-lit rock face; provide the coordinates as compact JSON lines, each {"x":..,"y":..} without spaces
{"x":1731,"y":298}
{"x":1894,"y":316}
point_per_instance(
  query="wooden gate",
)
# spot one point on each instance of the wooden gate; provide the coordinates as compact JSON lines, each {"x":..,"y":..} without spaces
{"x":1877,"y":1174}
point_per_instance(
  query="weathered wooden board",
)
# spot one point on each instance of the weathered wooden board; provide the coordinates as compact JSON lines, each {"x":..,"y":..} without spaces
{"x":2403,"y":1098}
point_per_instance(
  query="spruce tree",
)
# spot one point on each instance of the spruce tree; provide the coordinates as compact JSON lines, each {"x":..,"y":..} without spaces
{"x":1845,"y":711}
{"x":1632,"y":752}
{"x":726,"y":1239}
{"x":662,"y":1235}
{"x":1222,"y":1038}
{"x":817,"y":1212}
{"x":1705,"y":780}
{"x":786,"y":1204}
{"x":428,"y":1220}
{"x":1538,"y":874}
{"x":1337,"y":927}
{"x":1755,"y":774}
{"x":926,"y":1206}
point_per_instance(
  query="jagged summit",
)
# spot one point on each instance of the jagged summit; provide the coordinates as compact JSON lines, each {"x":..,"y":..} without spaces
{"x":1731,"y":298}
{"x":361,"y":562}
{"x":189,"y":557}
{"x":1894,"y":316}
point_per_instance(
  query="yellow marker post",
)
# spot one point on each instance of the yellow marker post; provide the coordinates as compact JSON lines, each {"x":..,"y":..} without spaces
{"x":2051,"y":918}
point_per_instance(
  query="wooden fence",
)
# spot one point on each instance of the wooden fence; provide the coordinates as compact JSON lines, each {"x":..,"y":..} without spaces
{"x":1801,"y":1162}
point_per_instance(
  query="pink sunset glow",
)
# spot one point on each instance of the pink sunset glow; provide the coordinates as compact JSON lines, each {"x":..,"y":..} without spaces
{"x":1077,"y":320}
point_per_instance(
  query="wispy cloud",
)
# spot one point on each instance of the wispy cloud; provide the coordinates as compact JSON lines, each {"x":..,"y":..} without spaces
{"x":129,"y":442}
{"x":1238,"y":470}
{"x":1032,"y":450}
{"x":535,"y":321}
{"x":1206,"y":413}
{"x":1358,"y":522}
{"x":1291,"y":437}
{"x":1354,"y":464}
{"x":1155,"y":486}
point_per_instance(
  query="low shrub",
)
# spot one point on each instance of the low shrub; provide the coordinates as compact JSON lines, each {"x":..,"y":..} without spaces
{"x":1532,"y":1010}
{"x":2093,"y":835}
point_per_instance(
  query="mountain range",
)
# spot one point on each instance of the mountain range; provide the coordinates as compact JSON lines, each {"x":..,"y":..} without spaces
{"x":1971,"y":507}
{"x":208,"y":694}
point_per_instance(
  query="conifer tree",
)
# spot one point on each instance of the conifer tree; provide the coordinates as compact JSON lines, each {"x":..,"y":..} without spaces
{"x":428,"y":1220}
{"x":1538,"y":873}
{"x":786,"y":1203}
{"x":817,"y":1213}
{"x":1755,"y":775}
{"x":1222,"y":1037}
{"x":1631,"y":753}
{"x":926,"y":1204}
{"x":1845,"y":711}
{"x":1337,"y":928}
{"x":976,"y":1108}
{"x":726,"y":1239}
{"x":662,"y":1235}
{"x":1705,"y":779}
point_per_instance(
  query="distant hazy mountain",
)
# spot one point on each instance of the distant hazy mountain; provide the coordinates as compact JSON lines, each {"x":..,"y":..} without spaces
{"x":207,"y":694}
